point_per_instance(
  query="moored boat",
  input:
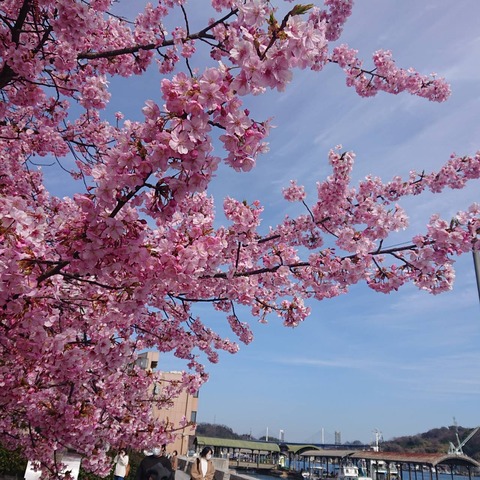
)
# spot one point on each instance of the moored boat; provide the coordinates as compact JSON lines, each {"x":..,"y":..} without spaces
{"x":381,"y":470}
{"x":314,"y":473}
{"x":351,"y":472}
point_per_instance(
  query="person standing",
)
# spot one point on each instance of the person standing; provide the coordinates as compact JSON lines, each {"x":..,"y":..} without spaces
{"x":121,"y":464}
{"x":202,"y":467}
{"x":155,"y":466}
{"x":174,"y":461}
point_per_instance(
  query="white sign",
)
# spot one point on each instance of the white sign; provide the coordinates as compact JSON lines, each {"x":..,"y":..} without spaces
{"x":70,"y":460}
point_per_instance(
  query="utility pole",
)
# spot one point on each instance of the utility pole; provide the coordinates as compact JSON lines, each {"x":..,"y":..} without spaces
{"x":476,"y":263}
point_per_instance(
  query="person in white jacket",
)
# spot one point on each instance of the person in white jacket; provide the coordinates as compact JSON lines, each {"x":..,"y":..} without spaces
{"x":121,"y":462}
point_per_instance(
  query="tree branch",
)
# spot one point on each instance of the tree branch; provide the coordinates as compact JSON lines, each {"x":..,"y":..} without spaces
{"x":202,"y":34}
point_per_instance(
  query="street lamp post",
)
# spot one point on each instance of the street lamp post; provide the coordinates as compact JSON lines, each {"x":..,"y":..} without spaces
{"x":476,"y":263}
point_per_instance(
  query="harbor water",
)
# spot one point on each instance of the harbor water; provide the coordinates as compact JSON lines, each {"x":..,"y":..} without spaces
{"x":405,"y":476}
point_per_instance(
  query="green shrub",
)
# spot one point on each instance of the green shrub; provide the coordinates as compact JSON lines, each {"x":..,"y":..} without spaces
{"x":12,"y":463}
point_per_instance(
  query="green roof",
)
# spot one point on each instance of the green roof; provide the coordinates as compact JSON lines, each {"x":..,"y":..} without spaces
{"x":241,"y":444}
{"x":300,"y":448}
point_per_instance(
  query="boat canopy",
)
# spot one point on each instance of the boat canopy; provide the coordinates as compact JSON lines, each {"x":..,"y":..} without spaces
{"x":252,"y":445}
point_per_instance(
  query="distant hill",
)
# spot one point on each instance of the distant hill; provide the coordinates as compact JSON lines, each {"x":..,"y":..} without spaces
{"x":434,"y":441}
{"x":219,"y":431}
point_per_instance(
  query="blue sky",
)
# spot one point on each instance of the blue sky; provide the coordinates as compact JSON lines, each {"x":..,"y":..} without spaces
{"x":401,"y":363}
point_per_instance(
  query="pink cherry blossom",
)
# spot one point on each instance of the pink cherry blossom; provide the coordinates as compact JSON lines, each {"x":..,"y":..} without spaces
{"x":89,"y":281}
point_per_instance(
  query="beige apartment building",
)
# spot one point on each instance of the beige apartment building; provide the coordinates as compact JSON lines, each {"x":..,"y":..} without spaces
{"x":186,"y":405}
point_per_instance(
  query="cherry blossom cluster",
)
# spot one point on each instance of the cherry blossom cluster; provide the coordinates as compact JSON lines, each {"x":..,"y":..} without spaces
{"x":121,"y":265}
{"x":386,"y":76}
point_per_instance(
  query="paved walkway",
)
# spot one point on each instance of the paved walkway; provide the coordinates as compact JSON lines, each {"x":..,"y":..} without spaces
{"x":181,"y":475}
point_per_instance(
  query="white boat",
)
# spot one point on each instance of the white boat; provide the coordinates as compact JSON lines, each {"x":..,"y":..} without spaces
{"x":313,"y":473}
{"x":351,"y":472}
{"x":348,"y":472}
{"x":381,"y":470}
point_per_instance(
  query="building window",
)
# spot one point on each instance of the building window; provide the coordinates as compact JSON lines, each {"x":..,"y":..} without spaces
{"x":157,"y":388}
{"x":193,"y":416}
{"x":195,"y":395}
{"x":142,"y":362}
{"x":153,"y":365}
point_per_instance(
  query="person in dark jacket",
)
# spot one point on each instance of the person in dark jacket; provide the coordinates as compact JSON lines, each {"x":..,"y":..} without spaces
{"x":147,"y":469}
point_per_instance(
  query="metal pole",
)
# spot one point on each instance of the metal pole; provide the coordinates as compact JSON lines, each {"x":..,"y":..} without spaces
{"x":476,"y":263}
